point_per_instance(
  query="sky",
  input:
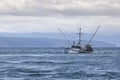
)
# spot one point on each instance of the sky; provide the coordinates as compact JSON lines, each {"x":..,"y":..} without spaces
{"x":25,"y":16}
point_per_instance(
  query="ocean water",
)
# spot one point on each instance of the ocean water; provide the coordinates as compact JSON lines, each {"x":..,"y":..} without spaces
{"x":54,"y":64}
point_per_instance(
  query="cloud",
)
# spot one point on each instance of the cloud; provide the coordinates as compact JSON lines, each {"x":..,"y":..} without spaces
{"x":47,"y":15}
{"x":21,"y":24}
{"x":60,"y":7}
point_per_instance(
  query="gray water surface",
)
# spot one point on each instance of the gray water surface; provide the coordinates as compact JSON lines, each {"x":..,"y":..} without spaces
{"x":54,"y":64}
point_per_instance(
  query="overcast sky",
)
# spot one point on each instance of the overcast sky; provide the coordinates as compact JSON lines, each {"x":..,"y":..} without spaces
{"x":46,"y":15}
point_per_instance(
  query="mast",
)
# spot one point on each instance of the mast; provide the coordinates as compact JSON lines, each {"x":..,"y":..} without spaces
{"x":79,"y":42}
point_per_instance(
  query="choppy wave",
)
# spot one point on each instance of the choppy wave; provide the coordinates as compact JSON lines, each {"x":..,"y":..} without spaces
{"x":54,"y":64}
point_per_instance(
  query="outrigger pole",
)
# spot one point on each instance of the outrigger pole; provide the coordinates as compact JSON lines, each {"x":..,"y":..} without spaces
{"x":64,"y":36}
{"x":93,"y":35}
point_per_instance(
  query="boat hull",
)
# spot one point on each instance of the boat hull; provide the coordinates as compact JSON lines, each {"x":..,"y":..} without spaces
{"x":76,"y":51}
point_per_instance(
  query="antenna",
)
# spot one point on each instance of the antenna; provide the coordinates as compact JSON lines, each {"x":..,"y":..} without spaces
{"x":93,"y":35}
{"x":64,"y":36}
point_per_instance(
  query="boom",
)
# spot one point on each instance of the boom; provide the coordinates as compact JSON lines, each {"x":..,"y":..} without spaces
{"x":93,"y":35}
{"x":64,"y":36}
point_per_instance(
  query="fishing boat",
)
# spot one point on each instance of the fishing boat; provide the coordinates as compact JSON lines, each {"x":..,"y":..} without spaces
{"x":77,"y":47}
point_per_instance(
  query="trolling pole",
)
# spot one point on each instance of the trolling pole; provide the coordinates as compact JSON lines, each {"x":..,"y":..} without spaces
{"x":93,"y":35}
{"x":64,"y":36}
